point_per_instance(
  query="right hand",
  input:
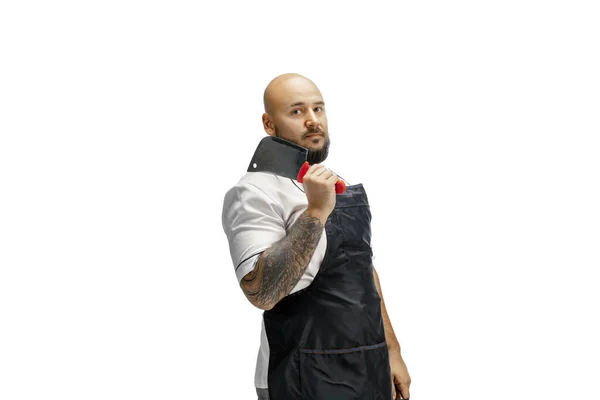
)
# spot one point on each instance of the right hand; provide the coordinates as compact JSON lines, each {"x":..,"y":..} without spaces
{"x":319,"y":187}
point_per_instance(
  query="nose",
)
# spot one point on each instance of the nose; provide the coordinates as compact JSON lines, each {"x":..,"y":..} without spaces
{"x":312,"y":122}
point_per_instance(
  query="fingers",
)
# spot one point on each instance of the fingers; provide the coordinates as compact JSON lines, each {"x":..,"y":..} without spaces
{"x":333,"y":178}
{"x":404,"y":391}
{"x":323,"y":173}
{"x":400,"y":388}
{"x":316,"y":170}
{"x":320,"y":171}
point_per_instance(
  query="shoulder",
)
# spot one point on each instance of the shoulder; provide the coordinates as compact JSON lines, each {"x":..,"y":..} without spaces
{"x":256,"y":191}
{"x":263,"y":183}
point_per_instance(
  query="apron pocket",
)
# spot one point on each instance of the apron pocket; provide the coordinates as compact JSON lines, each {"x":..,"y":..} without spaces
{"x":360,"y":373}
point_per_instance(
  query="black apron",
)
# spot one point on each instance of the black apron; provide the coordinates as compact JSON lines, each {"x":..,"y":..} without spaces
{"x":327,"y":341}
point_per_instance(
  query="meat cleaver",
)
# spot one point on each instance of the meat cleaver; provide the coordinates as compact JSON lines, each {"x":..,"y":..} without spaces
{"x":284,"y":158}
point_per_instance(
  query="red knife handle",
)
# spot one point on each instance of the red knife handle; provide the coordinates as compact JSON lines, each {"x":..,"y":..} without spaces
{"x":303,"y":170}
{"x":340,"y":186}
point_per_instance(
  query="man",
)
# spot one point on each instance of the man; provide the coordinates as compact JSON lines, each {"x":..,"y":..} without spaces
{"x":302,"y":254}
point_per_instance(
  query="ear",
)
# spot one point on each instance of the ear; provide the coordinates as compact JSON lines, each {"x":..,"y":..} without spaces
{"x":268,"y":124}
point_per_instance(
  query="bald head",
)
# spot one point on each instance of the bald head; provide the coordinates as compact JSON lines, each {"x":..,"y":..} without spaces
{"x":282,"y":89}
{"x":295,"y":111}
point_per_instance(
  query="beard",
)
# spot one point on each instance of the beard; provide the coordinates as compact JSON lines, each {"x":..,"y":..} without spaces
{"x":318,"y":156}
{"x":314,"y":156}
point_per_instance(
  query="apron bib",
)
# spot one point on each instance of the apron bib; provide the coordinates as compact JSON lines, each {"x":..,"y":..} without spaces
{"x":327,"y":341}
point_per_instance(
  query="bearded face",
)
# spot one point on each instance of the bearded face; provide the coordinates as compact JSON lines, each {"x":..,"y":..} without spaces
{"x":316,"y":154}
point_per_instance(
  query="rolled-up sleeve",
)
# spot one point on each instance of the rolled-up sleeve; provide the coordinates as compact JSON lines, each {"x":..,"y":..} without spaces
{"x":252,"y":222}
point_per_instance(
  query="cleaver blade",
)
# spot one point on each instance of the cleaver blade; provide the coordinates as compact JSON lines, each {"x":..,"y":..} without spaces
{"x":278,"y":156}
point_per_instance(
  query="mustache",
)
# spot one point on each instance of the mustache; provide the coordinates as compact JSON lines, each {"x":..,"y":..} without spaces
{"x":312,"y":132}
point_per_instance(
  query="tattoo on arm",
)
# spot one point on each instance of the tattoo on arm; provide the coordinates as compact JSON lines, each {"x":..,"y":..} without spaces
{"x":281,"y":266}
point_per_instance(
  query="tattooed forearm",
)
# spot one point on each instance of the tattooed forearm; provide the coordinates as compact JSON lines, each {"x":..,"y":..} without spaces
{"x":281,"y":266}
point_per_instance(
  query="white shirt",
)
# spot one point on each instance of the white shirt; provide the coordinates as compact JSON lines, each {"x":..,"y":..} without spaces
{"x":257,"y":212}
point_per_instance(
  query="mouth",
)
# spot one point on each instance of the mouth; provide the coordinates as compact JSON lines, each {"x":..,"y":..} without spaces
{"x":312,"y":135}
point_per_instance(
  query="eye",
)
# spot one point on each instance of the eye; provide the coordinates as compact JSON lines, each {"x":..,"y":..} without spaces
{"x":297,"y":111}
{"x":319,"y":109}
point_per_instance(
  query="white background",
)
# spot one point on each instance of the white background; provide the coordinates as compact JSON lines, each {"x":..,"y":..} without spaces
{"x":472,"y":124}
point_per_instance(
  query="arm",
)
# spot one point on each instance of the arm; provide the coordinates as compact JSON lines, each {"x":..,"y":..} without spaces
{"x":390,"y":337}
{"x":270,"y":258}
{"x":400,"y":377}
{"x":281,"y":266}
